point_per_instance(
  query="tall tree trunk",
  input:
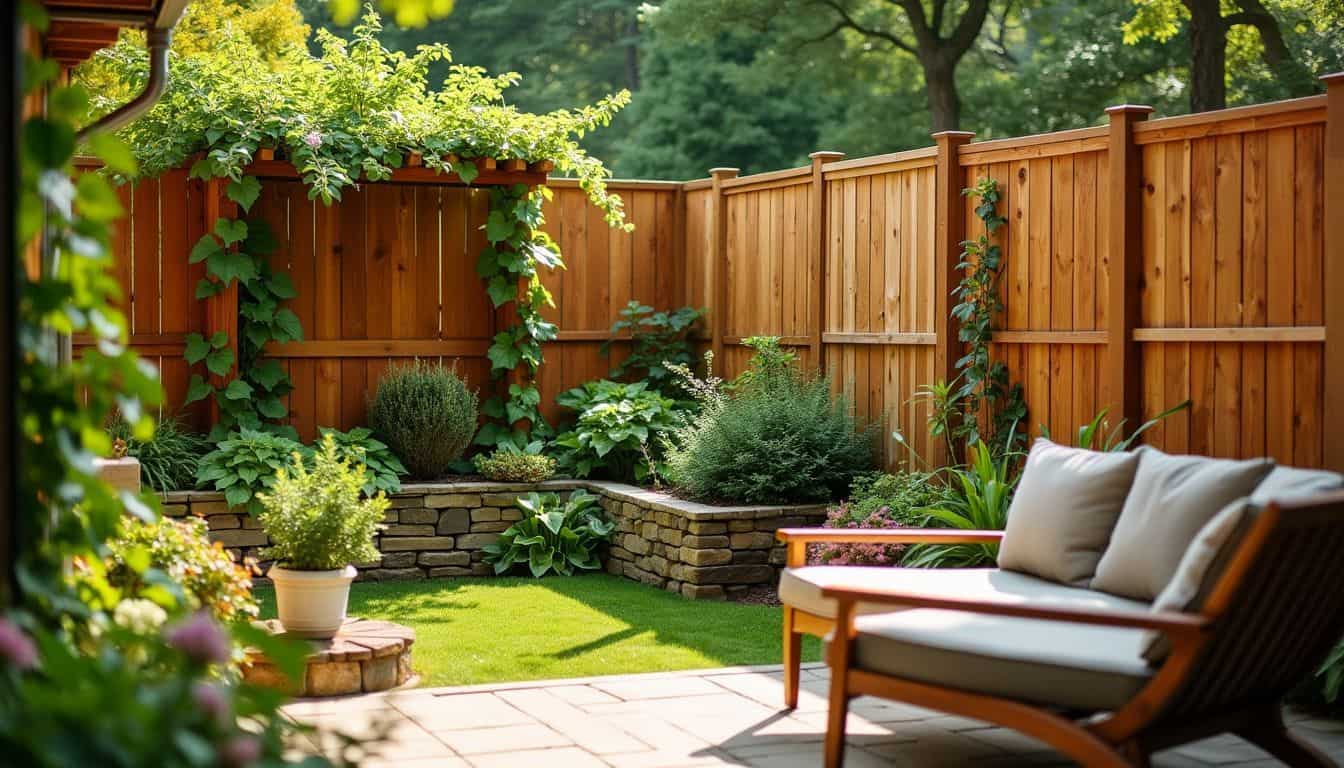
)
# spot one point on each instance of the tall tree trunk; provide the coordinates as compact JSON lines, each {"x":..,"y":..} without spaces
{"x":940,"y":80}
{"x":1208,"y":56}
{"x":632,"y":53}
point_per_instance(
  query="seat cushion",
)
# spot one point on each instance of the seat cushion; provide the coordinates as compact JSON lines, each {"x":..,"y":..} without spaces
{"x":1171,"y":500}
{"x":1049,"y":663}
{"x":1291,"y":482}
{"x":1063,"y":511}
{"x":801,"y":587}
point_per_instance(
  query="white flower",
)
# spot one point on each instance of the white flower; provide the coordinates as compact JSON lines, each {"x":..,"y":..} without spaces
{"x":139,"y":616}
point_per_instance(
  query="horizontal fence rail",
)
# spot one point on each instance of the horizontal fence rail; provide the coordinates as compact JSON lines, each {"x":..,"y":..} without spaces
{"x":1145,"y":261}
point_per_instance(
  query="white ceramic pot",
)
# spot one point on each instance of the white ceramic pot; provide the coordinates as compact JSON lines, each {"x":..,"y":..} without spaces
{"x":312,"y":603}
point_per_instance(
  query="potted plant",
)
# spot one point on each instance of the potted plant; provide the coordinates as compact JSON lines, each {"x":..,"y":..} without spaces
{"x":318,"y":525}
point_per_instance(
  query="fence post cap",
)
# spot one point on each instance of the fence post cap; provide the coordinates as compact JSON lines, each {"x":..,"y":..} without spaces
{"x":1129,"y":109}
{"x":952,"y":135}
{"x":724,"y":172}
{"x":826,"y":154}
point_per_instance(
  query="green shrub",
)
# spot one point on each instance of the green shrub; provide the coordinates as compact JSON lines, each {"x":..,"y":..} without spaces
{"x":553,"y":536}
{"x":779,"y":439}
{"x":978,"y":498}
{"x":615,"y":434}
{"x":514,"y":466}
{"x":382,"y":470}
{"x":169,"y":459}
{"x":244,"y":464}
{"x":317,"y":519}
{"x":657,"y":339}
{"x":426,"y":414}
{"x":180,"y":550}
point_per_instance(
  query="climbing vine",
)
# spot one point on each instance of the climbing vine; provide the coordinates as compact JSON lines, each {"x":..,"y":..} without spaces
{"x":984,"y":394}
{"x":235,"y":251}
{"x":508,"y":265}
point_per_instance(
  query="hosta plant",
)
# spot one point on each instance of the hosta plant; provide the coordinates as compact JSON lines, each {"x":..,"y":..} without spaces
{"x":554,"y":536}
{"x":245,"y":464}
{"x":382,"y":469}
{"x":617,"y":431}
{"x":318,"y":519}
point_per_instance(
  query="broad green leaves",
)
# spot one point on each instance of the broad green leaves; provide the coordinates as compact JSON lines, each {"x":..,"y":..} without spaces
{"x":553,"y":536}
{"x":235,"y":252}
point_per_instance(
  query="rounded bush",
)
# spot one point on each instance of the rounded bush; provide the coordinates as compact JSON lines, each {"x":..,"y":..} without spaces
{"x":780,"y":439}
{"x":426,"y":415}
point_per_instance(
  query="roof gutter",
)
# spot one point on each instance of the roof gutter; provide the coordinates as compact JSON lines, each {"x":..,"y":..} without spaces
{"x":159,"y":36}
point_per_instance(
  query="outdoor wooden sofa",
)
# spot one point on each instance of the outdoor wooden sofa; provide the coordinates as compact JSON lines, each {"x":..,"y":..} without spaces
{"x":1104,"y":679}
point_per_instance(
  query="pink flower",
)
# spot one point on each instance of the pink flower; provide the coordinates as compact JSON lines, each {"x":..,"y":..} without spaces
{"x":240,"y":751}
{"x":16,"y":647}
{"x":211,"y":699}
{"x":201,"y":639}
{"x":313,"y":139}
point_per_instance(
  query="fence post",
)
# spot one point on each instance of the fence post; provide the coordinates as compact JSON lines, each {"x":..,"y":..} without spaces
{"x":221,"y":310}
{"x":949,"y":232}
{"x":1124,"y":374}
{"x":719,"y":260}
{"x":816,"y":311}
{"x":1333,"y":412}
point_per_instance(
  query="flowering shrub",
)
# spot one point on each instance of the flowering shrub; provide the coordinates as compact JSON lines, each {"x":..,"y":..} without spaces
{"x":879,"y":501}
{"x":208,"y":577}
{"x":316,"y":519}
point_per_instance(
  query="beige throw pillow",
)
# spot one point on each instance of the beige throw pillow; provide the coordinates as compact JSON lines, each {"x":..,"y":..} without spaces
{"x":1062,"y":514}
{"x":1172,"y":498}
{"x":1201,"y":566}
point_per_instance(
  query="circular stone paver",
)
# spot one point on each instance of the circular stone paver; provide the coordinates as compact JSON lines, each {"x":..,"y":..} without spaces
{"x":365,"y":656}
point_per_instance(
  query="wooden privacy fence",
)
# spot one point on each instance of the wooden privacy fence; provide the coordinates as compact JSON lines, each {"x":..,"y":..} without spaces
{"x":1146,"y":261}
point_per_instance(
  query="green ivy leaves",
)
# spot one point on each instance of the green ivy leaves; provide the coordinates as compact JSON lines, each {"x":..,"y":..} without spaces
{"x":508,"y":262}
{"x":235,"y":251}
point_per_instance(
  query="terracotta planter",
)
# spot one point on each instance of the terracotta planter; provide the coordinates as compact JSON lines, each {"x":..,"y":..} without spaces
{"x":312,"y":603}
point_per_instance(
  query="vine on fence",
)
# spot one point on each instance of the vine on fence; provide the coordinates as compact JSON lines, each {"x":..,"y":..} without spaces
{"x":508,"y":265}
{"x":981,"y":395}
{"x":236,"y":251}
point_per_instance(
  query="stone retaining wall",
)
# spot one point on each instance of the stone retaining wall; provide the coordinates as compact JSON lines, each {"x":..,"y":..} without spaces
{"x":438,"y":529}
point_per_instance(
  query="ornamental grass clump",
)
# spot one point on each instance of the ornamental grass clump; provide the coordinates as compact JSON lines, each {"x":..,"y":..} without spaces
{"x":779,"y":439}
{"x":317,"y":519}
{"x":426,"y":415}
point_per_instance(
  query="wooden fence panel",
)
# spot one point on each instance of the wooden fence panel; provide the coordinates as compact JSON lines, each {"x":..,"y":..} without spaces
{"x":605,"y":270}
{"x":1233,"y":239}
{"x":370,"y":274}
{"x":1054,"y":280}
{"x":1222,"y":265}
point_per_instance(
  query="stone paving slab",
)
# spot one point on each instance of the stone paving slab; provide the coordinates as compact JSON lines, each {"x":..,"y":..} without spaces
{"x":719,"y":717}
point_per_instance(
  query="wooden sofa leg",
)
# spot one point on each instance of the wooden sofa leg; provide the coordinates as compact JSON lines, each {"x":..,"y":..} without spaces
{"x":836,"y":715}
{"x":1269,"y":733}
{"x":793,"y":660}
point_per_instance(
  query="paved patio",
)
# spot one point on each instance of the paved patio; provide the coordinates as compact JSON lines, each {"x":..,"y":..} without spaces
{"x":729,"y":717}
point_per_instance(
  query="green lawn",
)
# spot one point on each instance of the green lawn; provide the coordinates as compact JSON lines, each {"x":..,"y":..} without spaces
{"x":500,"y":629}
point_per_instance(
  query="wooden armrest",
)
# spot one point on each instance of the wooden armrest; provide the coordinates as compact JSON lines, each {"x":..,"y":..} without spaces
{"x":886,"y":536}
{"x":1169,"y":622}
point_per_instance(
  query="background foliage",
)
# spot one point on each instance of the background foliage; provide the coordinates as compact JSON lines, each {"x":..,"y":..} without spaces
{"x":739,"y":83}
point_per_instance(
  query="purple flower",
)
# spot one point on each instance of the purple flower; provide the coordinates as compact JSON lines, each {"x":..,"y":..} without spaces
{"x":313,"y":139}
{"x":16,"y":647}
{"x":240,"y":751}
{"x":201,"y":639}
{"x":211,"y":699}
